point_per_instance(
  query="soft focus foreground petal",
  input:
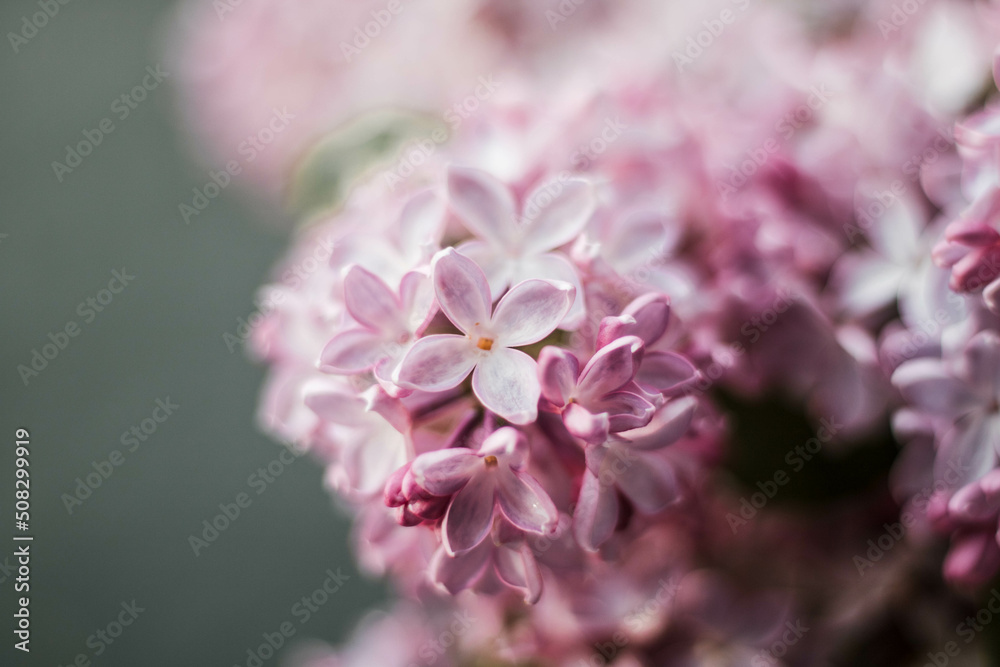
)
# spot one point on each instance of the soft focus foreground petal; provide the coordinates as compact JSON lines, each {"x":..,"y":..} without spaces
{"x":927,"y":384}
{"x":506,"y":383}
{"x":648,"y":480}
{"x":436,"y":363}
{"x":470,"y":515}
{"x":551,"y":221}
{"x":530,"y":311}
{"x":484,"y":205}
{"x":973,"y":559}
{"x":461,"y":289}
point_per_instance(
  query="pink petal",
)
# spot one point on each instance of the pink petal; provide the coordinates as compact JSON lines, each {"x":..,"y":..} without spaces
{"x":625,"y":410}
{"x":555,"y":213}
{"x":557,"y":373}
{"x":436,"y":363}
{"x":457,"y":573}
{"x":335,"y":403}
{"x":668,"y":373}
{"x":530,"y":311}
{"x":554,"y":267}
{"x":371,"y":302}
{"x":649,"y":481}
{"x":647,"y":317}
{"x":610,"y":369}
{"x":671,"y":423}
{"x":524,"y":502}
{"x":926,"y":383}
{"x":416,"y":291}
{"x":461,"y":290}
{"x":421,"y":222}
{"x":582,"y":423}
{"x":973,"y":559}
{"x":496,"y":265}
{"x":518,"y":569}
{"x":445,"y":471}
{"x":507,"y":444}
{"x":596,"y":513}
{"x":484,"y":205}
{"x":352,"y":351}
{"x":506,"y":383}
{"x":470,"y":515}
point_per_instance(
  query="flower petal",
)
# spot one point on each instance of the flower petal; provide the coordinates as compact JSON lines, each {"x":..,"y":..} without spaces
{"x":461,"y":289}
{"x":927,"y":384}
{"x":496,"y":265}
{"x":649,"y":481}
{"x":416,"y":292}
{"x":667,"y":373}
{"x":530,"y":311}
{"x":554,"y":267}
{"x":646,"y":317}
{"x":592,"y":427}
{"x":352,"y":351}
{"x":436,"y":363}
{"x":470,"y":515}
{"x":484,"y":205}
{"x":445,"y":471}
{"x":518,"y":569}
{"x":558,"y":370}
{"x":371,"y":302}
{"x":610,"y":369}
{"x":506,"y":383}
{"x":596,"y":513}
{"x":457,"y":573}
{"x":625,"y":410}
{"x":525,"y":503}
{"x":549,"y":221}
{"x":671,"y":423}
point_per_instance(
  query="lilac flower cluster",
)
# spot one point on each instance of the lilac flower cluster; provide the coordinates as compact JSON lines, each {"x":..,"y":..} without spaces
{"x":528,"y":365}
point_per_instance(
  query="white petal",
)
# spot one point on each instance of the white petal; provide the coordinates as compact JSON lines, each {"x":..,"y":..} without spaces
{"x":506,"y":383}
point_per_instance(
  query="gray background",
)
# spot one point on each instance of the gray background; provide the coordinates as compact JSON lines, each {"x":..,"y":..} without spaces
{"x":161,"y":337}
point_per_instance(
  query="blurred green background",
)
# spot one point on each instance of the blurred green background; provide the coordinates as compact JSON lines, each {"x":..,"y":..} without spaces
{"x":161,"y":337}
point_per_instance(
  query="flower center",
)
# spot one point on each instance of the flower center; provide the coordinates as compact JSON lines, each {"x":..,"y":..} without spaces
{"x":491,"y":461}
{"x":484,"y":343}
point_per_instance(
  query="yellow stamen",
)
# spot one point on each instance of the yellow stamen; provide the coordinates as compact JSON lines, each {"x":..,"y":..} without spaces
{"x":491,"y":461}
{"x":485,"y":344}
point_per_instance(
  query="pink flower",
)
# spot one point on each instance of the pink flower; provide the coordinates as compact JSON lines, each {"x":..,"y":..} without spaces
{"x":480,"y":483}
{"x":513,"y":248}
{"x":503,"y":379}
{"x":388,"y":323}
{"x":596,"y":401}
